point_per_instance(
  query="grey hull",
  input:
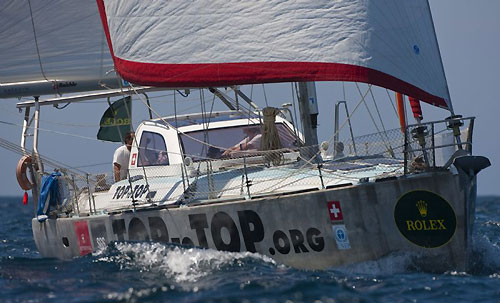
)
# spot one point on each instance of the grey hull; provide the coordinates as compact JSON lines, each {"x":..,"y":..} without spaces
{"x":310,"y":230}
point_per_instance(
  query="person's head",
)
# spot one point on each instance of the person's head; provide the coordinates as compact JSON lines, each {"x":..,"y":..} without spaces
{"x":129,"y":139}
{"x":339,"y":147}
{"x":251,"y":131}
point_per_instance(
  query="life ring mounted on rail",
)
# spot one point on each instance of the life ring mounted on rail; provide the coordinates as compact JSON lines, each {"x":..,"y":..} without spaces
{"x":21,"y":168}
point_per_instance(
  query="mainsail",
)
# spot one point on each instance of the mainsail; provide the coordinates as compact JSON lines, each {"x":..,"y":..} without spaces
{"x":51,"y":47}
{"x":388,"y":43}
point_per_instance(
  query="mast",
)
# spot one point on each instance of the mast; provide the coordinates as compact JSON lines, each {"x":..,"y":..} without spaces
{"x":308,"y":107}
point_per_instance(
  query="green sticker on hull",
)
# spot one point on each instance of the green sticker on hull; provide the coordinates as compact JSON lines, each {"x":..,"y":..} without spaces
{"x":425,"y":218}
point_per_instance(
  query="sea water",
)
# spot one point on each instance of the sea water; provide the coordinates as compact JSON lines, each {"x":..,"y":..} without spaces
{"x":154,"y":272}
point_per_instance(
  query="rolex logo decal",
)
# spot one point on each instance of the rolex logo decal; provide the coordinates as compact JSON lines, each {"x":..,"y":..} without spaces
{"x":422,"y":208}
{"x":425,"y":218}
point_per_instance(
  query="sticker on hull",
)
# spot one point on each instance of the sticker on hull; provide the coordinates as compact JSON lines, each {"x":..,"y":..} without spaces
{"x":338,"y":226}
{"x":335,"y":211}
{"x":83,"y":237}
{"x":425,"y":218}
{"x":340,"y":233}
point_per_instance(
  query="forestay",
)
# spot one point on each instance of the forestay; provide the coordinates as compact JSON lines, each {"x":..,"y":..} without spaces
{"x":389,"y":43}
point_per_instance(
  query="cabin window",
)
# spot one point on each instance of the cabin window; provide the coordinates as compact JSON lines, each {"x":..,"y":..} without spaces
{"x":152,"y":150}
{"x":222,"y":138}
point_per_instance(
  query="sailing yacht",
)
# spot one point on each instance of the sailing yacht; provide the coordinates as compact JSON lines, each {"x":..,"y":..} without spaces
{"x":249,"y":178}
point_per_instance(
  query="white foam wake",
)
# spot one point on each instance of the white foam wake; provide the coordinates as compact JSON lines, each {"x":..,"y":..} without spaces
{"x":178,"y":264}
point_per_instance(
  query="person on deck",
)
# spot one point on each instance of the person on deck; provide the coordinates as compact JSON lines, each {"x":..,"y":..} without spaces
{"x":250,"y":142}
{"x":121,"y":158}
{"x":339,"y":150}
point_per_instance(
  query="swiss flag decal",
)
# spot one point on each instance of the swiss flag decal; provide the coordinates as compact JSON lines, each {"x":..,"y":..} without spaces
{"x":83,"y":237}
{"x":335,"y":211}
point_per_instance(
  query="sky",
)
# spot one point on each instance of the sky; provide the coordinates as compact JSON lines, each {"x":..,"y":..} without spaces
{"x":468,"y":34}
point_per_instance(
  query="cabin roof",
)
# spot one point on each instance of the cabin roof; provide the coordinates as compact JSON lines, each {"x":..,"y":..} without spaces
{"x":198,"y":119}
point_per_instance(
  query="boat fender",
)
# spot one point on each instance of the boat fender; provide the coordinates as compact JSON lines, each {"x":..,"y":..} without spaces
{"x":21,"y":168}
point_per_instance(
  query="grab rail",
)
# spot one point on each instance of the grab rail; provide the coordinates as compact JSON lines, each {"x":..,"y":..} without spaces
{"x":420,"y":142}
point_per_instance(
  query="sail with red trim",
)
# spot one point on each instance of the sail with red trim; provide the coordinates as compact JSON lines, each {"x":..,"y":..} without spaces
{"x":388,"y":43}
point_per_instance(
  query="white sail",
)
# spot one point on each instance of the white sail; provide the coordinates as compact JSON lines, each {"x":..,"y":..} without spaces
{"x":389,"y":43}
{"x":50,"y":46}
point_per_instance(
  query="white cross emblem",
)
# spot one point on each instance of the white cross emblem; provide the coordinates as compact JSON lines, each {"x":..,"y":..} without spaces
{"x":335,"y":211}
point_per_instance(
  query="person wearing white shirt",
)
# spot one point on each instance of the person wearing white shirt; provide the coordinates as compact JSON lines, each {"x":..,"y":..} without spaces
{"x":250,"y":143}
{"x":121,"y":158}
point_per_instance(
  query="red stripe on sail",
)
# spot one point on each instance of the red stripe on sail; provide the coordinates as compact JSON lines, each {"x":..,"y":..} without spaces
{"x":226,"y":74}
{"x":104,"y":20}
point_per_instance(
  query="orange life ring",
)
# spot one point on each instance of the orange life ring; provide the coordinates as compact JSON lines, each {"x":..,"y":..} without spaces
{"x":21,"y":168}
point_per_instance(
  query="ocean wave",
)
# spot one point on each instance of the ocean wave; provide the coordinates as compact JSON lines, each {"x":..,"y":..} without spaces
{"x":394,"y":263}
{"x":485,"y":257}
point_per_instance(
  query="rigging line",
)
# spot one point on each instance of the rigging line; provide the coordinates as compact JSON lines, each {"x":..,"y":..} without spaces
{"x":48,"y":121}
{"x":211,"y":109}
{"x":241,"y":108}
{"x":8,"y":109}
{"x":203,"y":120}
{"x":343,"y":90}
{"x":249,"y":114}
{"x":368,"y":109}
{"x":9,"y":123}
{"x":92,"y":165}
{"x":296,"y":126}
{"x":36,"y":41}
{"x":208,"y":121}
{"x":296,"y":85}
{"x":51,"y":162}
{"x":392,"y":102}
{"x":187,"y":109}
{"x":179,"y":143}
{"x":349,"y":116}
{"x":265,"y":96}
{"x":387,"y":145}
{"x":58,"y":132}
{"x":378,"y":112}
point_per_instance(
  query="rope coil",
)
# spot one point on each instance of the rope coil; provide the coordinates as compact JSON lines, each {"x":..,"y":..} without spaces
{"x":270,"y":137}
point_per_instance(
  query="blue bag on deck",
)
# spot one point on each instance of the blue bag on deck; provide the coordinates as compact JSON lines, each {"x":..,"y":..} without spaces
{"x":49,"y":195}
